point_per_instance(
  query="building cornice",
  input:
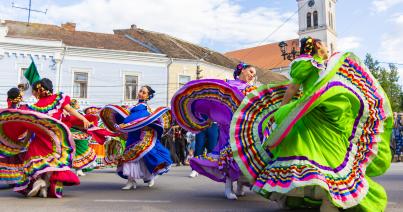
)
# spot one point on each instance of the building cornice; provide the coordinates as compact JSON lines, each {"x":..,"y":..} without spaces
{"x":31,"y":42}
{"x":77,"y":52}
{"x":320,"y":28}
{"x":19,"y":46}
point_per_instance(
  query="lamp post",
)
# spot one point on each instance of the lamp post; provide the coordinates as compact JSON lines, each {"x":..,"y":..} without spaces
{"x":287,"y":55}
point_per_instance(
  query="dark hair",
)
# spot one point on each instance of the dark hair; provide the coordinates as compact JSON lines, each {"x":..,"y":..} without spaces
{"x":43,"y":86}
{"x":308,"y":46}
{"x":13,"y":93}
{"x":151,"y":92}
{"x":241,"y":66}
{"x":47,"y":84}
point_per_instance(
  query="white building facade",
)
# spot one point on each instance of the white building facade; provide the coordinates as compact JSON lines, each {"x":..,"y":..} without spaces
{"x":317,"y":18}
{"x":93,"y":76}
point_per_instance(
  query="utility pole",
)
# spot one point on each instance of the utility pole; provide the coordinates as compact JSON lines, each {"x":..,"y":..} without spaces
{"x":29,"y":10}
{"x":198,"y":72}
{"x":198,"y":69}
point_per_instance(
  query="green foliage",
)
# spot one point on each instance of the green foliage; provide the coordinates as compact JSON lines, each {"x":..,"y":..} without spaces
{"x":389,"y":80}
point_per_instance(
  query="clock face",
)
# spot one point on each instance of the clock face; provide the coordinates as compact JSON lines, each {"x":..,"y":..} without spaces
{"x":311,"y":3}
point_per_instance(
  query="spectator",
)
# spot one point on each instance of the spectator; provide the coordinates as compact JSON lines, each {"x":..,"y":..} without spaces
{"x":169,"y":143}
{"x":191,"y":140}
{"x":397,"y":134}
{"x":180,"y":144}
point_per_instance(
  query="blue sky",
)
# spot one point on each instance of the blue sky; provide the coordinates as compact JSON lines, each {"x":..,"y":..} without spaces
{"x":363,"y":26}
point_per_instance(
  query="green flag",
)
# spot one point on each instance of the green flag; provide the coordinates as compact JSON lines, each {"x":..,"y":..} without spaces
{"x":31,"y":74}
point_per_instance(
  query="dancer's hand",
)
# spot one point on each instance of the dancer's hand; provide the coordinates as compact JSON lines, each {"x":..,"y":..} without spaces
{"x":86,"y":124}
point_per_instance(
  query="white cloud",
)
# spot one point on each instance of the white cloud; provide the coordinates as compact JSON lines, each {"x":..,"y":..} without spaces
{"x":392,"y":42}
{"x":383,"y":5}
{"x":391,"y":47}
{"x":221,"y":22}
{"x":348,"y":43}
{"x":398,"y":18}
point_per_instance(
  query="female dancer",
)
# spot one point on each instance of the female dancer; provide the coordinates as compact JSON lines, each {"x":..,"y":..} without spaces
{"x":318,"y":149}
{"x":198,"y":105}
{"x":85,"y":156}
{"x":11,"y":158}
{"x":144,"y":156}
{"x":48,"y":171}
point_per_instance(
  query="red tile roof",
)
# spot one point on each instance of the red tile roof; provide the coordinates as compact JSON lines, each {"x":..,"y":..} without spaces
{"x":267,"y":57}
{"x":70,"y":37}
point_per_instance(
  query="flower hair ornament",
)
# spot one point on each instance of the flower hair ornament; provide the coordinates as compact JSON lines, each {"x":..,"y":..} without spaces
{"x":16,"y":100}
{"x":42,"y":91}
{"x":241,"y":66}
{"x":309,"y":44}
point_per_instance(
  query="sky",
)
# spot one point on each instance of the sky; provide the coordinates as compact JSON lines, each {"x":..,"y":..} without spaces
{"x":363,"y":26}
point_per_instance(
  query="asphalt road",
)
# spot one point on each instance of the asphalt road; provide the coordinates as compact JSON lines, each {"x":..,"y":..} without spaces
{"x":100,"y":191}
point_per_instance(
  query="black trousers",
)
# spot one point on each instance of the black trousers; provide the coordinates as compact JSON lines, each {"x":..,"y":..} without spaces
{"x":180,"y":145}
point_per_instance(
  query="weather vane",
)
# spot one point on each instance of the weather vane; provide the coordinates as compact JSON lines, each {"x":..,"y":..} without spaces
{"x":29,"y":10}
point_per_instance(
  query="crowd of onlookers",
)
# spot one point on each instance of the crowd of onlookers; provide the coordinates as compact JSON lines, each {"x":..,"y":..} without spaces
{"x":180,"y":143}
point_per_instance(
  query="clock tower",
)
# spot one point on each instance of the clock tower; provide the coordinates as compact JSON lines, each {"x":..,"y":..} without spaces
{"x":317,"y":19}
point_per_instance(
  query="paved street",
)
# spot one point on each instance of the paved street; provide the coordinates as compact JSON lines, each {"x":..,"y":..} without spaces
{"x":100,"y":191}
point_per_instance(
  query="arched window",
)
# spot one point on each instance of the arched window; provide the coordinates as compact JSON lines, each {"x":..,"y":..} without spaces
{"x":331,"y":48}
{"x":308,"y":20}
{"x":331,"y":21}
{"x":315,"y":19}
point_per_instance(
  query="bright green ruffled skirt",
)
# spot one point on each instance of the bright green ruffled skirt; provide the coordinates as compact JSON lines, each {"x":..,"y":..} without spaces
{"x":334,"y":137}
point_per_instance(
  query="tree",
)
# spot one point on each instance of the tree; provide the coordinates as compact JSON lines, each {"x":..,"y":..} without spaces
{"x":389,"y":80}
{"x":373,"y":65}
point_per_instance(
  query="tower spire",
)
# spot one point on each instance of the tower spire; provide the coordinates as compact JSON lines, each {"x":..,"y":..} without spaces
{"x":317,"y":18}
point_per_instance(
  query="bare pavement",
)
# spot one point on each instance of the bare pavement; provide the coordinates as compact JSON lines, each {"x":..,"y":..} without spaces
{"x":100,"y":191}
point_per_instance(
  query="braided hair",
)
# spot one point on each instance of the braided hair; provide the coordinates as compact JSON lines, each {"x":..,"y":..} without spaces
{"x":239,"y":68}
{"x":14,"y":96}
{"x":151,"y":92}
{"x":308,"y":46}
{"x":44,"y":87}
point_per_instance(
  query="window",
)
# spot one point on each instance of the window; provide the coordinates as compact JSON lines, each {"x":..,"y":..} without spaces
{"x":183,"y":79}
{"x":308,"y":20}
{"x":315,"y":19}
{"x":131,"y":84}
{"x":331,"y":48}
{"x":80,"y":85}
{"x":330,"y":20}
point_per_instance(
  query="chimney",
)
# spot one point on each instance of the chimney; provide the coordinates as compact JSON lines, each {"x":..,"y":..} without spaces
{"x":133,"y":26}
{"x":69,"y":26}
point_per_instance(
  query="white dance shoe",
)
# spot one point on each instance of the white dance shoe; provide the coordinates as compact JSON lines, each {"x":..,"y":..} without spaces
{"x":151,"y":183}
{"x":43,"y":192}
{"x":229,"y":192}
{"x":131,"y":184}
{"x":80,"y":173}
{"x":38,"y":184}
{"x":193,"y":174}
